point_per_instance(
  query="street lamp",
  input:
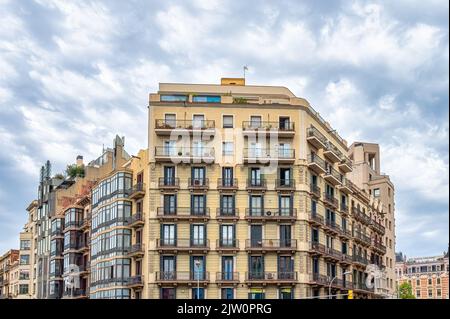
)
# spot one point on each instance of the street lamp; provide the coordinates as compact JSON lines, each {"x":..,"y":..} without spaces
{"x":197,"y":265}
{"x":331,"y":282}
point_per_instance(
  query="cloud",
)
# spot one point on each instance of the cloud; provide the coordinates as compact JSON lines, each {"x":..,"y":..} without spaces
{"x":73,"y":74}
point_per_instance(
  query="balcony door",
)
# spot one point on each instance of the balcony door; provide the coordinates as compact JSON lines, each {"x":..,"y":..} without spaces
{"x":285,"y":235}
{"x":170,"y":204}
{"x":255,"y":150}
{"x":256,"y":205}
{"x":256,"y":267}
{"x":227,"y":267}
{"x":169,"y":175}
{"x":168,"y":233}
{"x":198,"y":204}
{"x":170,"y":121}
{"x":198,"y":121}
{"x":284,"y":176}
{"x":198,"y":235}
{"x":285,"y":267}
{"x":170,"y":148}
{"x":198,"y":267}
{"x":285,"y":205}
{"x":284,"y":150}
{"x":255,"y":122}
{"x":227,"y":237}
{"x":227,"y":176}
{"x":198,"y":176}
{"x":227,"y":205}
{"x":256,"y":235}
{"x":255,"y":176}
{"x":168,"y":267}
{"x":284,"y":123}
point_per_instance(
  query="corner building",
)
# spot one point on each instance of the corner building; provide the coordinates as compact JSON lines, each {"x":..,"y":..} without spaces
{"x":250,"y":195}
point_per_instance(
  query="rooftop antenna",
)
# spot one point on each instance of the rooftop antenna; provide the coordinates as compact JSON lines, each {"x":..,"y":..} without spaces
{"x":245,"y":69}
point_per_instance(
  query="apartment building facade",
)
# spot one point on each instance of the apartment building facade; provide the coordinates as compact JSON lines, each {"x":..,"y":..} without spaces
{"x":250,"y":196}
{"x":428,"y":276}
{"x":7,"y":263}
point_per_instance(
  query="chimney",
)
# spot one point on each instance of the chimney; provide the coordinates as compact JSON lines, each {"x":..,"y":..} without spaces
{"x":79,"y":160}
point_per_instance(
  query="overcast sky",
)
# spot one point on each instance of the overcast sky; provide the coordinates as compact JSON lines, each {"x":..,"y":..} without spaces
{"x":75,"y":73}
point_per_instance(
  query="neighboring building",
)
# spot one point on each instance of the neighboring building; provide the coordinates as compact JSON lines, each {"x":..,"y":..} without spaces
{"x":366,"y":174}
{"x":428,"y":276}
{"x":239,"y":216}
{"x":7,"y":264}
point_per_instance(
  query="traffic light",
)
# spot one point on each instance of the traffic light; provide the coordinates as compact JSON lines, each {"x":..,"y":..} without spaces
{"x":350,"y":294}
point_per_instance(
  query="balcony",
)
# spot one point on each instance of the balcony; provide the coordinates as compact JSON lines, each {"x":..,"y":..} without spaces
{"x":360,"y":261}
{"x":346,"y":259}
{"x":344,"y":209}
{"x":167,"y":127}
{"x":362,"y":238}
{"x":361,"y":216}
{"x":266,"y":277}
{"x":256,"y":184}
{"x":137,"y":250}
{"x":317,"y":139}
{"x":187,"y":245}
{"x":330,"y":201}
{"x":332,"y":227}
{"x":137,"y":220}
{"x":345,"y":186}
{"x":314,"y":190}
{"x":182,"y":277}
{"x":169,"y":183}
{"x":361,"y":287}
{"x":75,"y":293}
{"x":57,"y":233}
{"x":225,"y":213}
{"x":332,"y":153}
{"x":136,"y":282}
{"x":265,"y":156}
{"x":285,"y":185}
{"x":227,"y":184}
{"x":318,"y":280}
{"x":332,"y":254}
{"x":227,"y":245}
{"x":198,"y":184}
{"x":73,"y":225}
{"x":230,"y":278}
{"x":267,"y":245}
{"x":183,"y":213}
{"x":184,"y":154}
{"x":377,"y":227}
{"x":316,"y":164}
{"x":332,"y":176}
{"x":379,"y":247}
{"x":345,"y":164}
{"x":271,"y":214}
{"x":283,"y":129}
{"x":137,"y":191}
{"x":315,"y":219}
{"x":345,"y":234}
{"x":317,"y":249}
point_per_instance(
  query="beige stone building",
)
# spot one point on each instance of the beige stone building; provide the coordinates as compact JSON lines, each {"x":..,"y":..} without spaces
{"x":251,"y":196}
{"x":428,"y":276}
{"x":7,"y":263}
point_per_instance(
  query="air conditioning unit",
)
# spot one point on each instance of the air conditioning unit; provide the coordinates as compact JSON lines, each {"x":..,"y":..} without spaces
{"x":270,"y":275}
{"x":268,"y":213}
{"x":196,"y":182}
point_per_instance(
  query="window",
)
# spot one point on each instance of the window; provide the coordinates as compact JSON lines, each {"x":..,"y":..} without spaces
{"x":167,"y":293}
{"x":227,"y":293}
{"x":23,"y":289}
{"x":438,"y":293}
{"x":438,"y":281}
{"x":256,"y":205}
{"x":168,"y":235}
{"x":173,"y":98}
{"x":170,"y":120}
{"x":198,"y":235}
{"x":206,"y":98}
{"x":170,"y":204}
{"x":315,"y":235}
{"x":256,"y":293}
{"x":286,"y":293}
{"x":198,"y":121}
{"x":227,"y":236}
{"x":376,"y":192}
{"x":285,"y":123}
{"x":430,"y":293}
{"x":418,"y":293}
{"x":25,"y":244}
{"x":227,"y":148}
{"x":198,"y":293}
{"x":24,"y":259}
{"x":198,"y":204}
{"x":227,"y":121}
{"x":430,"y":281}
